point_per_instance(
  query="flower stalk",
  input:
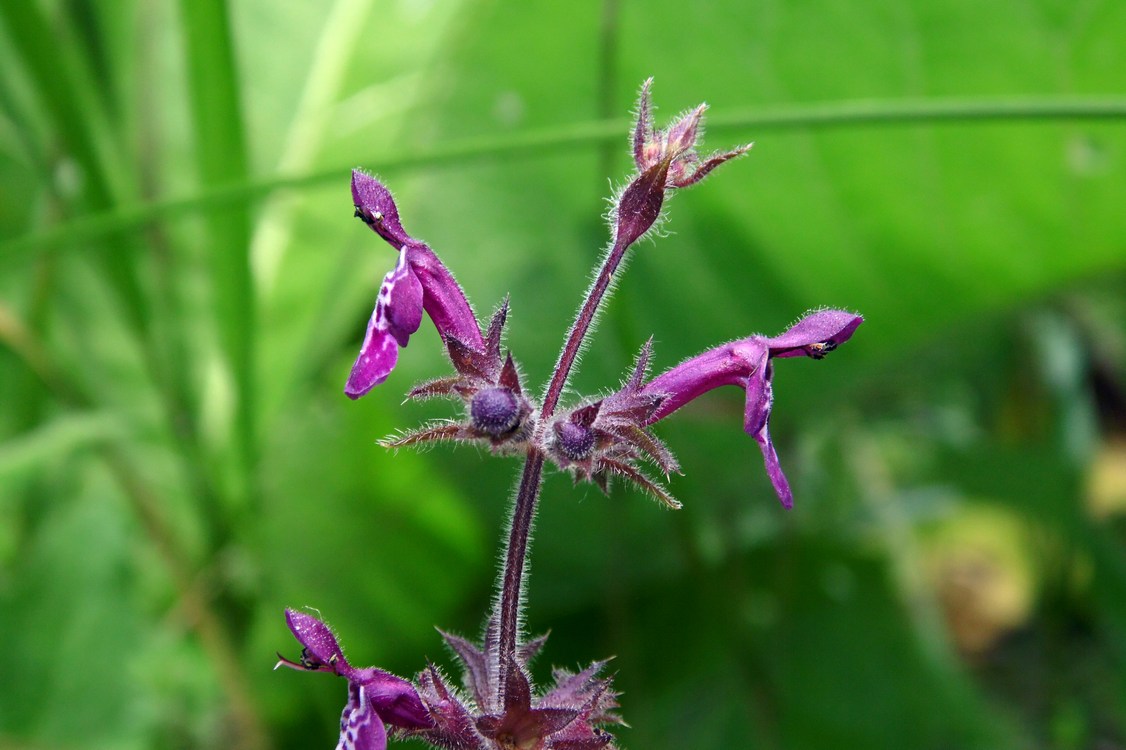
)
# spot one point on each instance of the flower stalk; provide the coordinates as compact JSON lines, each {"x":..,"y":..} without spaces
{"x":595,"y":440}
{"x":665,"y":160}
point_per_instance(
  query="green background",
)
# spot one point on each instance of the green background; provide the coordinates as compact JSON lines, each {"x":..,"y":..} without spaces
{"x":183,"y":289}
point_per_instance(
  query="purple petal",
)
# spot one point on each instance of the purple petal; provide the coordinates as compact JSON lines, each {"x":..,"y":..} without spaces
{"x":760,"y":398}
{"x":398,"y":314}
{"x":360,"y":725}
{"x":756,"y":422}
{"x":774,"y":469}
{"x":319,"y":642}
{"x":400,"y":298}
{"x":394,"y":699}
{"x":377,"y":358}
{"x":815,"y":334}
{"x":443,"y":298}
{"x":729,"y":364}
{"x":377,"y":209}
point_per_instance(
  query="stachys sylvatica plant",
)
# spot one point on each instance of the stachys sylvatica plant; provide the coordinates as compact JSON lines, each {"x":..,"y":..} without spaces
{"x":495,"y":706}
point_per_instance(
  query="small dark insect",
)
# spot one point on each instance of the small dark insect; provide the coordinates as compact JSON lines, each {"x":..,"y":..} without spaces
{"x":817,"y":351}
{"x":308,"y":661}
{"x":370,"y":219}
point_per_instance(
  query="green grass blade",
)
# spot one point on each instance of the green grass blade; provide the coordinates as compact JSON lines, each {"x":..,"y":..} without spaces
{"x":64,"y":88}
{"x":336,"y":46}
{"x":213,"y":83}
{"x":551,"y":141}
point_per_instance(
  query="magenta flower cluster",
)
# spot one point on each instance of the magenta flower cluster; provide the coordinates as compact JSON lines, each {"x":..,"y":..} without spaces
{"x":497,"y":706}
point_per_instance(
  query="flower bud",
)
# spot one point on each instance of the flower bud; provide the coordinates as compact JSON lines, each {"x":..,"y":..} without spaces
{"x":665,"y":159}
{"x":574,"y":441}
{"x":494,"y":411}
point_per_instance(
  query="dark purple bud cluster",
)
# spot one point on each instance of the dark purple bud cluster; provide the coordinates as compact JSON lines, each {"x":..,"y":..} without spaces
{"x":614,"y":437}
{"x":487,"y":383}
{"x":498,"y":410}
{"x":575,"y":440}
{"x":497,"y":707}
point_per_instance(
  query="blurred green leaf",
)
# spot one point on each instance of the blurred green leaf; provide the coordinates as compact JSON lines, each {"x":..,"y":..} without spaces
{"x":217,"y":125}
{"x":64,"y":87}
{"x":53,"y":442}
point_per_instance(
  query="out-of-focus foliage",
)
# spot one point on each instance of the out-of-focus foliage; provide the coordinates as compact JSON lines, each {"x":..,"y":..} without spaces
{"x":182,"y":289}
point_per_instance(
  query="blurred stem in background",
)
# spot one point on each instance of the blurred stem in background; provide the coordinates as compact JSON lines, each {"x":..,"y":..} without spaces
{"x":541,"y":143}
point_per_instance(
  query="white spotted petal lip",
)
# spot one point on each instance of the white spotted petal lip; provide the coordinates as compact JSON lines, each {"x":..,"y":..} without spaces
{"x":397,"y":314}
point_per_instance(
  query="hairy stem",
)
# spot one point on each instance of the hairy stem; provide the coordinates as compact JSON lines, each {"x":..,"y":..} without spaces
{"x":580,"y":328}
{"x":512,"y":577}
{"x":524,"y":509}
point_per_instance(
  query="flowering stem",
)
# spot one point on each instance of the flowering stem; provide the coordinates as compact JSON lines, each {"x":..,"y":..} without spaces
{"x":580,"y":328}
{"x":524,"y":510}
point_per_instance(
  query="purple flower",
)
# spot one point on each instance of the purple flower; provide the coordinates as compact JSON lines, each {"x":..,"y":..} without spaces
{"x":747,"y":364}
{"x":375,"y":698}
{"x":419,"y":282}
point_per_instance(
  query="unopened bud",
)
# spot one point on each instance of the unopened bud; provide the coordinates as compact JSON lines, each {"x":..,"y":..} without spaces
{"x":574,"y":441}
{"x":494,"y":411}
